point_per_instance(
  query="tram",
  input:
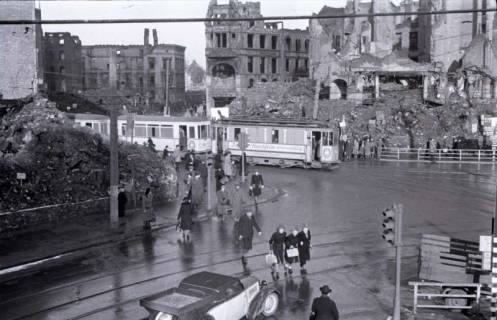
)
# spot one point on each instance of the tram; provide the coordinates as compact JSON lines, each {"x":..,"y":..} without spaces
{"x":189,"y":132}
{"x":281,"y":142}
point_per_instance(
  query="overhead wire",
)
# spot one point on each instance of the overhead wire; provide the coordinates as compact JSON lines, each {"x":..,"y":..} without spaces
{"x":238,"y":19}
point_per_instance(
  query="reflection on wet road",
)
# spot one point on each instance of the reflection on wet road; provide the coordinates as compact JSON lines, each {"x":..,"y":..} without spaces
{"x":342,"y":208}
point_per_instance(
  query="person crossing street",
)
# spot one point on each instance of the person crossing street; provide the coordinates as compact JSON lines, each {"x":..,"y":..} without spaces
{"x":304,"y":246}
{"x":246,"y":226}
{"x":291,"y":249}
{"x":277,"y":247}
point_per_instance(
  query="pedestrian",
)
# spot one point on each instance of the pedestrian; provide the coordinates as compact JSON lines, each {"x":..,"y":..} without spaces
{"x":189,"y":159}
{"x":197,"y":193}
{"x":433,"y":149}
{"x":185,"y":218}
{"x":237,"y":202}
{"x":367,"y":148}
{"x":228,"y":169}
{"x":355,"y":150}
{"x":304,"y":246}
{"x":121,"y":202}
{"x":202,"y":169}
{"x":218,"y":162}
{"x":323,"y":308}
{"x":177,"y":156}
{"x":256,"y":185}
{"x":188,"y":181}
{"x":219,"y":175}
{"x":148,"y":213}
{"x":277,"y":247}
{"x":246,"y":226}
{"x":349,"y":149}
{"x":165,"y":153}
{"x":223,"y":202}
{"x":291,"y":249}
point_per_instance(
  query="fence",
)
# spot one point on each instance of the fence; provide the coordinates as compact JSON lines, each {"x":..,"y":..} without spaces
{"x":454,"y":294}
{"x":440,"y":155}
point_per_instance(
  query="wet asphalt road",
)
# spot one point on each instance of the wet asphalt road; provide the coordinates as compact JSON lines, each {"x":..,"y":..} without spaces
{"x":343,"y":209}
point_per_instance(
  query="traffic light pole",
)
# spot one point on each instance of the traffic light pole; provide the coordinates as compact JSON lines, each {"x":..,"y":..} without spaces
{"x":398,"y":257}
{"x":209,"y":184}
{"x":243,"y":167}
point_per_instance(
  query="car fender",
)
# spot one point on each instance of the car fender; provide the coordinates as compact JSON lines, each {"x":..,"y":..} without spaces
{"x":255,"y":308}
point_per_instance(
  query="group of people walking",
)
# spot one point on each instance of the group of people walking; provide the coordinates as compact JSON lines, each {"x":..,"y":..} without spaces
{"x":289,"y":249}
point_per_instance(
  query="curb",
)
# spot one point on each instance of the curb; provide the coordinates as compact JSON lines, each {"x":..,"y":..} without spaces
{"x":119,"y":235}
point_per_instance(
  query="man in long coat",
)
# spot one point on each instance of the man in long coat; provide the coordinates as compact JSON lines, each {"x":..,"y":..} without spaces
{"x":256,"y":185}
{"x":246,"y":227}
{"x":237,"y":202}
{"x":223,"y":202}
{"x":323,"y":308}
{"x":185,"y":218}
{"x":202,"y":168}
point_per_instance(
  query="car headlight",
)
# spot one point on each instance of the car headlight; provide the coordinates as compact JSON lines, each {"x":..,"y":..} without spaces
{"x":163,"y":316}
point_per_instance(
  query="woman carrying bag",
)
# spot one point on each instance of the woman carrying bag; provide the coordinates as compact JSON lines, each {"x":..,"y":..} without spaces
{"x":292,"y":251}
{"x":277,"y":248}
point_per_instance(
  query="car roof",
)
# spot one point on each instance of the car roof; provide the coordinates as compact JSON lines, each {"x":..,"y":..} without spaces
{"x":213,"y":281}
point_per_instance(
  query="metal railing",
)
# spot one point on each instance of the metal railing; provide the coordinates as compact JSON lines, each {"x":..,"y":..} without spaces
{"x":439,"y":155}
{"x":469,"y":291}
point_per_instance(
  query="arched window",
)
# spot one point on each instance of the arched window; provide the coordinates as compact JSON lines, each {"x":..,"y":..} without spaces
{"x":223,"y":70}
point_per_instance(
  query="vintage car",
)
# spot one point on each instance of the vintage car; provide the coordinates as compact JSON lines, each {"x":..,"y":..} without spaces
{"x":211,"y":296}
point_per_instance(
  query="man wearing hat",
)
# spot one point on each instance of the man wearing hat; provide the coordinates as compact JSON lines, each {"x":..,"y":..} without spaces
{"x":323,"y":308}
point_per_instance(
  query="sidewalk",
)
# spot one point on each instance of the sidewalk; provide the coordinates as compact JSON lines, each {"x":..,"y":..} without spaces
{"x":73,"y":237}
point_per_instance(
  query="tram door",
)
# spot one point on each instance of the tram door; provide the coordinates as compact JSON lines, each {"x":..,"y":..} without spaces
{"x":329,"y":147}
{"x":316,"y":146}
{"x":183,"y":140}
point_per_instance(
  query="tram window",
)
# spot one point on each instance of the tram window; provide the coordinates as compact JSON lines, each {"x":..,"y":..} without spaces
{"x":237,"y":133}
{"x":202,"y":134}
{"x":191,"y":132}
{"x":152,"y":130}
{"x":89,"y":125}
{"x":275,"y":136}
{"x":104,"y":128}
{"x":166,"y":131}
{"x":123,"y":130}
{"x":140,"y":130}
{"x":327,"y":139}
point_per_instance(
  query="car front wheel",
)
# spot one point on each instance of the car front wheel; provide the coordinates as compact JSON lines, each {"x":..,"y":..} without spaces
{"x":270,"y":304}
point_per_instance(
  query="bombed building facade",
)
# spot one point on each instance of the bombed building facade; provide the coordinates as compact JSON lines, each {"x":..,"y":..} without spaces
{"x":20,"y":50}
{"x":62,"y":62}
{"x":240,"y":54}
{"x":153,"y":73}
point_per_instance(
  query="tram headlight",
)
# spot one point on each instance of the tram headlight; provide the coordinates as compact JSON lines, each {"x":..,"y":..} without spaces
{"x":164,"y":316}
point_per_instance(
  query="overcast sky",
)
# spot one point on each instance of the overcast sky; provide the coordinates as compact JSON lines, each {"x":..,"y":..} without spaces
{"x":190,"y":35}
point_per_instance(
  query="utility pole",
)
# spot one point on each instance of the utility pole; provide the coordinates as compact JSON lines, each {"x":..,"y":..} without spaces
{"x":167,"y":112}
{"x":208,"y":163}
{"x":114,"y":168}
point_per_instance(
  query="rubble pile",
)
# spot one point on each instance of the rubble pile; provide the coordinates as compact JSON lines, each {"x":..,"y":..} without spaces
{"x":63,"y":162}
{"x":276,"y":100}
{"x":401,"y":118}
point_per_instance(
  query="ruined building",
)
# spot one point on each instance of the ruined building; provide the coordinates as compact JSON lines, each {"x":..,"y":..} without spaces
{"x":152,"y":72}
{"x":62,"y":62}
{"x":20,"y":50}
{"x":240,"y":54}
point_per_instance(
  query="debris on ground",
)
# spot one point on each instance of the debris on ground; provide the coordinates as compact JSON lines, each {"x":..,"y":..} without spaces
{"x":64,"y":162}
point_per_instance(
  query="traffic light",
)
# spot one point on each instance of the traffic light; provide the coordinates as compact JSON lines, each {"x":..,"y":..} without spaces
{"x":389,"y":215}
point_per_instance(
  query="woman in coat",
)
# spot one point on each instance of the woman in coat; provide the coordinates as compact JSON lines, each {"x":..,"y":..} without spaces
{"x":246,"y":226}
{"x":185,"y":218}
{"x":256,"y":185}
{"x":197,"y":192}
{"x":291,"y":242}
{"x":228,"y":168}
{"x":277,"y":247}
{"x":237,"y":202}
{"x":148,"y":212}
{"x":304,"y":245}
{"x":223,"y":202}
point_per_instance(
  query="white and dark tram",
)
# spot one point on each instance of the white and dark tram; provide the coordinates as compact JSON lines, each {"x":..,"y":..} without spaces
{"x":281,"y":142}
{"x":188,"y":132}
